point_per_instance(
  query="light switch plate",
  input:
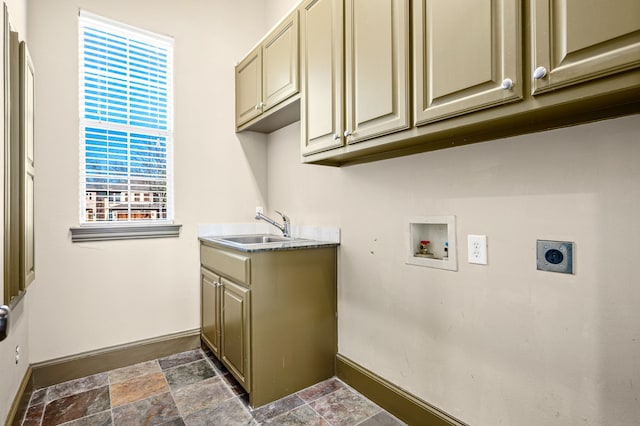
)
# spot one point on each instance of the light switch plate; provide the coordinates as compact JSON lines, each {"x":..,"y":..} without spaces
{"x":477,"y":249}
{"x":554,"y":256}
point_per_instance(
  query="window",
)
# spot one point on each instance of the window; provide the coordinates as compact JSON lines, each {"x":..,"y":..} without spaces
{"x":126,"y":123}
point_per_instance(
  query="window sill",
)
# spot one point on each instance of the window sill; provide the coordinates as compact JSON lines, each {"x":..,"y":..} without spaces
{"x":81,"y":234}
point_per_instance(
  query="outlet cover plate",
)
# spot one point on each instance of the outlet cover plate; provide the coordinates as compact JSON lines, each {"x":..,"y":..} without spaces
{"x":477,"y":249}
{"x":554,"y":256}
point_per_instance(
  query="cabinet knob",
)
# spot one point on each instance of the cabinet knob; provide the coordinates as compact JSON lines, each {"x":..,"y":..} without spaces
{"x":347,"y":133}
{"x":336,"y":137}
{"x":507,"y":84}
{"x":539,"y":73}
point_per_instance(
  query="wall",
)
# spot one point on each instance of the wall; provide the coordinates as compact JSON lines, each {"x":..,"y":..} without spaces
{"x":11,"y":373}
{"x":276,"y":10}
{"x":502,"y":343}
{"x":94,"y":295}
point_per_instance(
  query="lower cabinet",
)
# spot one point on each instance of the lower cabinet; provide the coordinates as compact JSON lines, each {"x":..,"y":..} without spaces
{"x":270,"y":317}
{"x":225,"y":322}
{"x":234,"y":324}
{"x":210,"y":310}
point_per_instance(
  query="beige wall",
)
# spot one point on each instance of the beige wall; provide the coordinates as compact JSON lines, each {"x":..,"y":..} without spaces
{"x":502,"y":343}
{"x":495,"y":344}
{"x":11,"y":373}
{"x":94,"y":295}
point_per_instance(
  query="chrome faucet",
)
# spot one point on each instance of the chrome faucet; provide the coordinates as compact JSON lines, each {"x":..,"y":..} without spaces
{"x":285,"y":227}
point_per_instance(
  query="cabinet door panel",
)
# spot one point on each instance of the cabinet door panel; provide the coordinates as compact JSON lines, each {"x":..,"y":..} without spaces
{"x":377,"y":67}
{"x":280,"y":63}
{"x":249,"y":87}
{"x":27,"y":167}
{"x":463,"y":51}
{"x":235,"y":330}
{"x":321,"y":65}
{"x":210,"y":310}
{"x":579,"y":40}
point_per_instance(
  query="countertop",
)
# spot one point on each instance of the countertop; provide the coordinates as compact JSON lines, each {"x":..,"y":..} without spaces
{"x":293,"y":244}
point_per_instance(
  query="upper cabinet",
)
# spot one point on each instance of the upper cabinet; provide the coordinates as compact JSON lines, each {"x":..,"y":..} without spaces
{"x":280,"y":63}
{"x":374,"y":66}
{"x":267,"y":79}
{"x":574,"y":41}
{"x":321,"y":33}
{"x":249,"y":87}
{"x":385,"y":78}
{"x":466,"y":56}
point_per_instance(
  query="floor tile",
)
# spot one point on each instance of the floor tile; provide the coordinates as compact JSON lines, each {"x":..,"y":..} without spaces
{"x":157,"y":410}
{"x":136,"y":370}
{"x":180,"y":359}
{"x":204,"y":394}
{"x":77,"y":386}
{"x":304,"y":415}
{"x":192,"y":389}
{"x":39,"y":396}
{"x":138,"y":388}
{"x":276,"y":408}
{"x":321,"y":389}
{"x":188,"y":374}
{"x":76,"y":406}
{"x":174,"y":422}
{"x":100,"y":419}
{"x":231,"y":413}
{"x":382,"y":419}
{"x":33,"y":416}
{"x":344,"y":408}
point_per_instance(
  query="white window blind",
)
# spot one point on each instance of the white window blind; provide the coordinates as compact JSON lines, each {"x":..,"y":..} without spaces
{"x":126,"y":123}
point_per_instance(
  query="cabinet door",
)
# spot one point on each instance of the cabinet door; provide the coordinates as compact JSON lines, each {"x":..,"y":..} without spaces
{"x":235,"y":330}
{"x":466,"y":56}
{"x":210,"y":310}
{"x":579,"y":40}
{"x":27,"y":162}
{"x":249,"y":87}
{"x":280,"y":63}
{"x":377,"y":67}
{"x":321,"y":35}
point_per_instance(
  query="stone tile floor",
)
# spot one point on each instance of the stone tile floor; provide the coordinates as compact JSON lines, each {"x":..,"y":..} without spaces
{"x":193,"y":388}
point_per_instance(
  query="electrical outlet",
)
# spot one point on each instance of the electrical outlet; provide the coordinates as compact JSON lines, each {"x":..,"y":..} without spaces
{"x":477,"y":245}
{"x":17,"y":354}
{"x":554,"y":256}
{"x":259,"y":209}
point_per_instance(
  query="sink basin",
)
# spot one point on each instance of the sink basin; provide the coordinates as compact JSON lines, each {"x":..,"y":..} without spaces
{"x":255,"y":239}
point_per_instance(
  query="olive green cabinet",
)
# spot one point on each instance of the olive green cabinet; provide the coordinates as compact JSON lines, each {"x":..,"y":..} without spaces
{"x":27,"y":166}
{"x":467,"y":56}
{"x":280,"y":63}
{"x":374,"y":66}
{"x":234,"y":323}
{"x":210,"y":309}
{"x":269,"y":75}
{"x":19,"y":165}
{"x":224,"y":311}
{"x":322,"y":91}
{"x":249,"y":87}
{"x":270,"y":316}
{"x":579,"y":40}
